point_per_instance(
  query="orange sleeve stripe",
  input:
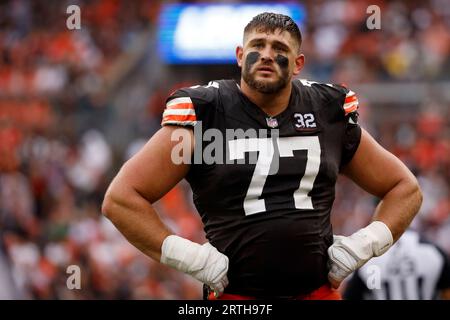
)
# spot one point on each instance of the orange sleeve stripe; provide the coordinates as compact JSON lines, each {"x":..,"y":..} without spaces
{"x":186,"y":105}
{"x":350,"y":99}
{"x":179,"y":118}
{"x":351,"y":109}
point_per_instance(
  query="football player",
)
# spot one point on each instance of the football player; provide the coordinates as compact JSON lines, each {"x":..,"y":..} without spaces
{"x":267,"y":221}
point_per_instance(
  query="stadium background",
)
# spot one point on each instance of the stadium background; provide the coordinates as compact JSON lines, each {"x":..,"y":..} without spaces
{"x":74,"y":105}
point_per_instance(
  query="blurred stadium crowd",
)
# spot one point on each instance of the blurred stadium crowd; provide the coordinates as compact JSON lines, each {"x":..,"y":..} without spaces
{"x":57,"y":139}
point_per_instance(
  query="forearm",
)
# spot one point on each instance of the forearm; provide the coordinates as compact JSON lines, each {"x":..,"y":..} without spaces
{"x":383,"y":175}
{"x":137,"y":220}
{"x":392,"y":217}
{"x":135,"y":217}
{"x":399,"y":206}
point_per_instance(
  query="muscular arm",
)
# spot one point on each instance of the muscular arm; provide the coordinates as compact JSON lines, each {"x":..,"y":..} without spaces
{"x":382,"y":174}
{"x":141,"y":181}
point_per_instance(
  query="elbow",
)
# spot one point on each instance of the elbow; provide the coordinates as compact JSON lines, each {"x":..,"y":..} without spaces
{"x":415,"y":192}
{"x":108,"y":205}
{"x":419,"y":196}
{"x":112,"y":202}
{"x":119,"y":199}
{"x":114,"y":197}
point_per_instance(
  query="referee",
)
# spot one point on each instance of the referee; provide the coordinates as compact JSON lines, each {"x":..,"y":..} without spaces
{"x":412,"y":269}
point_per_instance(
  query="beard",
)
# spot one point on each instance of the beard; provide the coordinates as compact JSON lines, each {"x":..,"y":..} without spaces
{"x":267,"y":87}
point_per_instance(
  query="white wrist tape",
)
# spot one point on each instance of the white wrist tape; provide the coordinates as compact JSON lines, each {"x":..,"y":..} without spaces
{"x":182,"y":254}
{"x":373,"y":240}
{"x":350,"y":253}
{"x":203,"y":262}
{"x":381,"y":236}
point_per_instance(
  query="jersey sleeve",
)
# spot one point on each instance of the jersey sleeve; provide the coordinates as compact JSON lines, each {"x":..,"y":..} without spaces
{"x":352,"y":134}
{"x":341,"y":107}
{"x":185,"y":107}
{"x":179,"y":111}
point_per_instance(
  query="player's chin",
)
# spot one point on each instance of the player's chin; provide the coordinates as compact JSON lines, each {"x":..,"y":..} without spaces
{"x":267,"y":78}
{"x":266,"y":75}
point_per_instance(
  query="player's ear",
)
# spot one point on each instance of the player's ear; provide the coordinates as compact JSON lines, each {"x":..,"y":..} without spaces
{"x":299,"y":63}
{"x":239,"y":55}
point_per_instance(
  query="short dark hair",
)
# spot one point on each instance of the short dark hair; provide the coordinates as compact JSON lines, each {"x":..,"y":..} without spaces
{"x":269,"y":22}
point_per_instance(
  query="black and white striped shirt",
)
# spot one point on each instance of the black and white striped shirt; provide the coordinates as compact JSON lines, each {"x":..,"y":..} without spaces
{"x":412,"y":269}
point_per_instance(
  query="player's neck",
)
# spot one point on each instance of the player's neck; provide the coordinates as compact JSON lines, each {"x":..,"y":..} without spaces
{"x":271,"y":104}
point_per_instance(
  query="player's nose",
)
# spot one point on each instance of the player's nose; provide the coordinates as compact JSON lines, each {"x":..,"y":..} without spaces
{"x":267,"y":54}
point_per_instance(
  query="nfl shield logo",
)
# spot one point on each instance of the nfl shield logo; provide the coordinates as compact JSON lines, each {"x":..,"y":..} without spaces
{"x":272,"y":122}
